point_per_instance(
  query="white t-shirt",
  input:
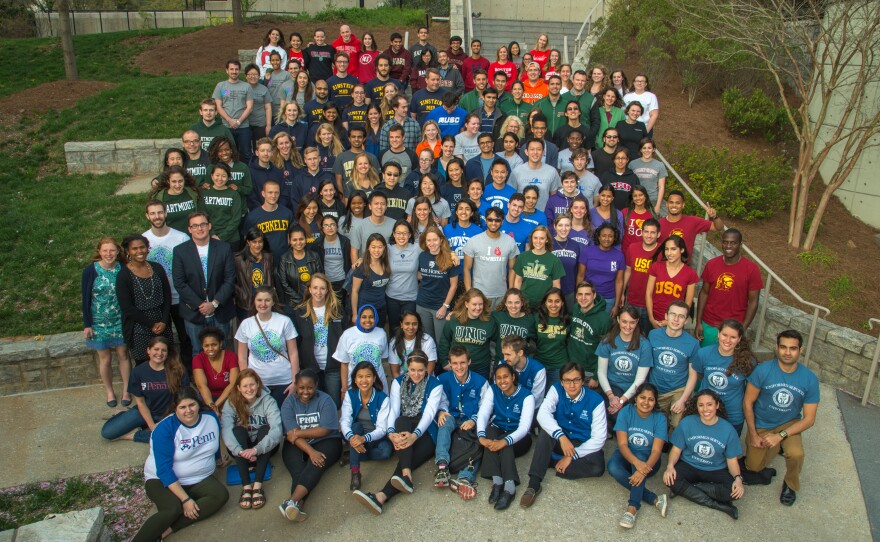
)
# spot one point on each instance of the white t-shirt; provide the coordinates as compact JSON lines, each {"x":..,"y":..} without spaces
{"x":648,"y":100}
{"x":203,"y":258}
{"x":162,"y":252}
{"x":272,"y":368}
{"x":356,"y":346}
{"x":429,"y":347}
{"x":321,"y":331}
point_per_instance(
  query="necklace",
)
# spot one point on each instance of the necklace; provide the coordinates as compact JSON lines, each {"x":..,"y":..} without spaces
{"x":560,"y":245}
{"x":139,"y":281}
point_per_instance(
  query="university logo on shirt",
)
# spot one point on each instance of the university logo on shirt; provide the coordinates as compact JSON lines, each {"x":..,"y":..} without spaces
{"x":782,"y":398}
{"x":667,"y":359}
{"x":717,"y":379}
{"x":704,"y":449}
{"x":724,"y":281}
{"x":639,"y":440}
{"x":623,"y":364}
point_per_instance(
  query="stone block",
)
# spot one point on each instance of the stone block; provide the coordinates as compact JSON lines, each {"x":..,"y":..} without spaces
{"x":123,"y":160}
{"x":857,"y":361}
{"x":90,"y":145}
{"x":848,"y":339}
{"x":134,"y":144}
{"x":868,"y":350}
{"x":22,"y":351}
{"x":803,"y":323}
{"x":10,"y":373}
{"x":81,"y":375}
{"x":56,"y":378}
{"x":7,"y":536}
{"x":144,"y":163}
{"x":832,"y":363}
{"x":66,"y":344}
{"x":824,"y":352}
{"x":781,"y":314}
{"x":851,"y":373}
{"x":34,"y":377}
{"x":163,"y":144}
{"x":82,"y":525}
{"x":105,"y":158}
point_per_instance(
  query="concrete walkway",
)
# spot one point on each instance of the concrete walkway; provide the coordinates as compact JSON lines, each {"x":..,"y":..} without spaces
{"x":56,"y":434}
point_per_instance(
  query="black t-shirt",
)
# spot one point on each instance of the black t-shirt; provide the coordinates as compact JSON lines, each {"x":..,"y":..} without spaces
{"x":622,"y":186}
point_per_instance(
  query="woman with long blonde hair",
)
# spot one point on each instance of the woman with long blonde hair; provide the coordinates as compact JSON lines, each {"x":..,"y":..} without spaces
{"x":472,"y":327}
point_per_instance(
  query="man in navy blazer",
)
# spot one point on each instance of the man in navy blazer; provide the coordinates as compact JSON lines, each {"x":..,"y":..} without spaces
{"x":204,"y":300}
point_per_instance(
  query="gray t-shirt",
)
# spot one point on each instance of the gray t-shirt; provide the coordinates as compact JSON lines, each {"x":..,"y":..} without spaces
{"x":280,"y":88}
{"x":441,"y":207}
{"x":545,"y":179}
{"x":233,"y":97}
{"x":334,"y":260}
{"x":404,"y":283}
{"x":649,"y":174}
{"x":261,"y":98}
{"x":467,"y":146}
{"x":344,"y":165}
{"x":401,"y":158}
{"x":361,"y":231}
{"x":490,"y":268}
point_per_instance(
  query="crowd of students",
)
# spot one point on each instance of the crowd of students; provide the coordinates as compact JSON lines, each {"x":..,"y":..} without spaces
{"x":424,"y":253}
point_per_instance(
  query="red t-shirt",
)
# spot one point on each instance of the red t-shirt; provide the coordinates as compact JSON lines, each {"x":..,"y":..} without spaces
{"x":541,"y":57}
{"x":509,"y":68}
{"x":291,"y":54}
{"x":687,"y":228}
{"x":217,"y":382}
{"x":352,"y":48}
{"x":667,"y":289}
{"x":639,"y":260}
{"x":467,"y":70}
{"x":729,"y":287}
{"x":632,"y":230}
{"x":366,"y":65}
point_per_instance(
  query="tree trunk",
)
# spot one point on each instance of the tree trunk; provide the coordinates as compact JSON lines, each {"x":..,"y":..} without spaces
{"x":237,"y":20}
{"x":817,"y":217}
{"x":64,"y":30}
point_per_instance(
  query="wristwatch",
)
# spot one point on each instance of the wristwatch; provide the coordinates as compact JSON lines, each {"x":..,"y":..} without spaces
{"x":446,"y":305}
{"x":783,"y":434}
{"x":216,"y":304}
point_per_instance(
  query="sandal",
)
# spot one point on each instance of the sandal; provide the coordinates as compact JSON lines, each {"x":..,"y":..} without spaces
{"x":246,"y":499}
{"x":259,"y":499}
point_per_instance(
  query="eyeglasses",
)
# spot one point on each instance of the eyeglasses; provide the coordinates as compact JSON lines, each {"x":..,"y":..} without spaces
{"x":199,"y":226}
{"x":493,"y":220}
{"x":389,"y":174}
{"x":572,"y":380}
{"x":612,"y":137}
{"x":190,"y":141}
{"x":572,"y":109}
{"x":330,"y":225}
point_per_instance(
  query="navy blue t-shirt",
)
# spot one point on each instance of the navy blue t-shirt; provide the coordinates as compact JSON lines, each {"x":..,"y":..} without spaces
{"x":372,"y":290}
{"x":435,"y":283}
{"x":150,"y":384}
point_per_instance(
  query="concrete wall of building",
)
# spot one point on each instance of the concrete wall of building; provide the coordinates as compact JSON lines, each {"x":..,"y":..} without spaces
{"x":560,"y":10}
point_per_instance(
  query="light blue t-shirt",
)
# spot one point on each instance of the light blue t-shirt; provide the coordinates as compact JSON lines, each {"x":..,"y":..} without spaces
{"x":622,"y":364}
{"x":641,"y":432}
{"x":519,"y":231}
{"x":672,"y":356}
{"x":713,"y":366}
{"x":458,"y":238}
{"x":782,"y":395}
{"x":706,"y":447}
{"x":499,"y":198}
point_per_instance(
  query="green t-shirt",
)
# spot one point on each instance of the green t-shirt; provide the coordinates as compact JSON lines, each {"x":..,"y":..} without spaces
{"x":586,"y":332}
{"x":552,"y":350}
{"x":225,"y":209}
{"x":524,"y":326}
{"x":538,"y":273}
{"x":179,"y":207}
{"x":475,"y":335}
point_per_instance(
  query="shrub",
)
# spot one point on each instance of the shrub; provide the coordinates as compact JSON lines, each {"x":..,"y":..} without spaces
{"x":755,"y":114}
{"x":820,"y":255}
{"x":740,"y":185}
{"x":841,"y":292}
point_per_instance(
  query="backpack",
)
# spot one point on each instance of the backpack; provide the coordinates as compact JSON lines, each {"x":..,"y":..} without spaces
{"x":465,"y":449}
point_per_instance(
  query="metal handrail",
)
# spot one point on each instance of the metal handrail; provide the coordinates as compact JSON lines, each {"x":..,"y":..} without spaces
{"x":771,"y":275}
{"x":470,"y":20}
{"x":873,"y":371}
{"x":589,"y":19}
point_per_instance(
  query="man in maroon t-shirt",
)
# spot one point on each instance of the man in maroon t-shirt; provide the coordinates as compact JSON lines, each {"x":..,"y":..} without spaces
{"x":472,"y":63}
{"x":686,"y":226}
{"x":639,"y":257}
{"x":731,"y":285}
{"x":457,"y":55}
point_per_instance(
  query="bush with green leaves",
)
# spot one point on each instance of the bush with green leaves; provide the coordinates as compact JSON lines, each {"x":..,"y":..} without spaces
{"x":745,"y":186}
{"x":755,"y":114}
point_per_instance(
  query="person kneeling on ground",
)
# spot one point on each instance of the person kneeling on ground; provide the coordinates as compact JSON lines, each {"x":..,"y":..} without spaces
{"x":251,"y":424}
{"x":463,"y":393}
{"x":313,"y":444}
{"x":364,"y":420}
{"x":415,"y":399}
{"x":573,"y":432}
{"x":179,"y":476}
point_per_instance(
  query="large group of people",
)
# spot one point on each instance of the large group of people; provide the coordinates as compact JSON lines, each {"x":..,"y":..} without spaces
{"x":425,"y":254}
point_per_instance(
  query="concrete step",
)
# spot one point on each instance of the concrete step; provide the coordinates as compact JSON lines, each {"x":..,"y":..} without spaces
{"x":495,"y":32}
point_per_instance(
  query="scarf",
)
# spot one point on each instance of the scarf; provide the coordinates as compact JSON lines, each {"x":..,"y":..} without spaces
{"x":412,"y":396}
{"x":357,"y":322}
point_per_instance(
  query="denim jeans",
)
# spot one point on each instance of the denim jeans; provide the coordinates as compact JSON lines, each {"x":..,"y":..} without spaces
{"x":192,"y":330}
{"x":552,"y":377}
{"x":331,"y":384}
{"x":124,"y":423}
{"x":242,"y":138}
{"x":444,"y":443}
{"x":620,"y":469}
{"x":376,"y":450}
{"x":644,"y":321}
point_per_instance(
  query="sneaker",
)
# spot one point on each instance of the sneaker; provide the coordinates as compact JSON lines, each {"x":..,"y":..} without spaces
{"x":292,"y":511}
{"x":402,"y":483}
{"x":662,"y":504}
{"x":441,"y":479}
{"x":466,"y":489}
{"x":370,"y":501}
{"x":628,"y":521}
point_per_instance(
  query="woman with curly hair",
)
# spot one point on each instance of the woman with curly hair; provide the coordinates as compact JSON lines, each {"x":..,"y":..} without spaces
{"x":724,"y":368}
{"x":177,"y":189}
{"x":472,"y":327}
{"x":552,"y":321}
{"x":703,"y":466}
{"x":605,"y":264}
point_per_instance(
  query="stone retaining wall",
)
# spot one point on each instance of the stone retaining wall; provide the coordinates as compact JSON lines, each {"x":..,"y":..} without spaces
{"x":128,"y":156}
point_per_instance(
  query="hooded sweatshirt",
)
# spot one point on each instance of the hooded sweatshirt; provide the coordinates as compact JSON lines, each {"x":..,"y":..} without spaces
{"x":585,"y":334}
{"x":263,"y":412}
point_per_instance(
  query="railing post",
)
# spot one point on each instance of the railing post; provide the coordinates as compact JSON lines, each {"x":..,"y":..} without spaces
{"x":565,"y":50}
{"x":470,"y":21}
{"x":762,"y":310}
{"x":873,"y":371}
{"x":811,"y":337}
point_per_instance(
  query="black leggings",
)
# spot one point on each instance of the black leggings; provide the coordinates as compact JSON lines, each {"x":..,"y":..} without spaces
{"x":210,"y":495}
{"x":590,"y":466}
{"x":503,"y":463}
{"x":414,"y":456}
{"x":685,"y":475}
{"x":302,"y":471}
{"x":241,"y":435}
